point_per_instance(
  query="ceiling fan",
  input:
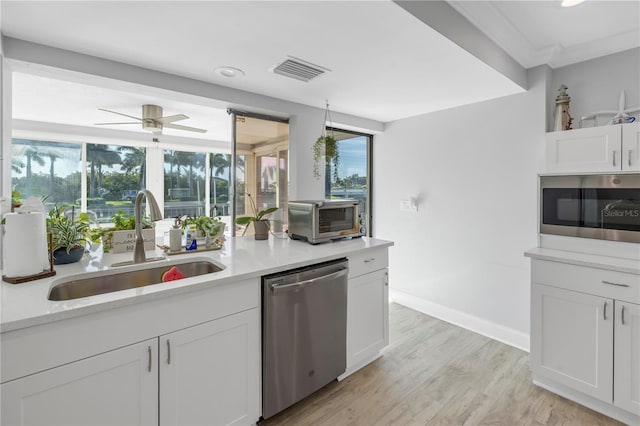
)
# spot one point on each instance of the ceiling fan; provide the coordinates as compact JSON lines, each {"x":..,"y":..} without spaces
{"x":153,"y":121}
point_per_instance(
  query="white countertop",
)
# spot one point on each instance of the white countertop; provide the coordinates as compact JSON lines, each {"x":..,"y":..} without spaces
{"x":618,"y":264}
{"x":25,"y":305}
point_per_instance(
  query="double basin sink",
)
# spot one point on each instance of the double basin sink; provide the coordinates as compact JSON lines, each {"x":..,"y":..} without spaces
{"x":94,"y":283}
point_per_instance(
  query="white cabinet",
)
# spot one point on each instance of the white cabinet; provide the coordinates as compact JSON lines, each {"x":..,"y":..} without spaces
{"x":210,"y":373}
{"x":367,"y":309}
{"x":595,"y":149}
{"x":585,"y":336}
{"x":198,"y":363}
{"x":626,"y":394}
{"x":573,"y":339}
{"x":119,"y":387}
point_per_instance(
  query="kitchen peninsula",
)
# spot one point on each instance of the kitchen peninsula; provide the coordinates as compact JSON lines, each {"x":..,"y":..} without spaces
{"x":170,"y":353}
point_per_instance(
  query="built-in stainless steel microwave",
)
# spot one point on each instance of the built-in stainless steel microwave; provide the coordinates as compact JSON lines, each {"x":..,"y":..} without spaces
{"x":605,"y":207}
{"x":318,"y":221}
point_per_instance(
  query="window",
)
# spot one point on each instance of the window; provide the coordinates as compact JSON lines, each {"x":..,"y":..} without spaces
{"x":184,"y":183}
{"x":47,"y":169}
{"x":352,"y":179}
{"x":114,"y":175}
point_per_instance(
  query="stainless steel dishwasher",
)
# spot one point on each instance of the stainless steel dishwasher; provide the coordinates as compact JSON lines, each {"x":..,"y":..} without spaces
{"x":304,"y":332}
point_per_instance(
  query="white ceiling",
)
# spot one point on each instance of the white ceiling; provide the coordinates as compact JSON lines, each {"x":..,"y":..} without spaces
{"x":385,"y":64}
{"x":543,"y":32}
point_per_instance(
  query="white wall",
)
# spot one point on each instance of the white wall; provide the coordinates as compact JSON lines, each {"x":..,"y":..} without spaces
{"x":460,"y":257}
{"x":595,"y":85}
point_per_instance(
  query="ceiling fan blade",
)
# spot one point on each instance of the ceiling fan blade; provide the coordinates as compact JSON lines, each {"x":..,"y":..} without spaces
{"x":107,"y":124}
{"x":187,"y":128}
{"x":119,"y":113}
{"x":171,"y":118}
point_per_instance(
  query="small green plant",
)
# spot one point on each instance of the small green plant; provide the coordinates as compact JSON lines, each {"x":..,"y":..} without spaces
{"x":68,"y":232}
{"x":258,"y":216}
{"x":326,"y":145}
{"x":203,"y":224}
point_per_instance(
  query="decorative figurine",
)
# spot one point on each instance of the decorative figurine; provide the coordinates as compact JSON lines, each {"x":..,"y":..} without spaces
{"x":563,"y":118}
{"x":621,"y":116}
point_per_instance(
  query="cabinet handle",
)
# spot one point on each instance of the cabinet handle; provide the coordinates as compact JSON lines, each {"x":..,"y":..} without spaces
{"x":614,"y":158}
{"x":616,"y":284}
{"x":386,"y":279}
{"x":369,"y":260}
{"x":630,"y":152}
{"x":622,"y":315}
{"x":168,"y":351}
{"x":604,"y":311}
{"x":149,"y":363}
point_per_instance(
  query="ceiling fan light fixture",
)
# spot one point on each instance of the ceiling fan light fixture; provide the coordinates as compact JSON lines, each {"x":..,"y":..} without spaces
{"x":570,"y":3}
{"x":229,"y":72}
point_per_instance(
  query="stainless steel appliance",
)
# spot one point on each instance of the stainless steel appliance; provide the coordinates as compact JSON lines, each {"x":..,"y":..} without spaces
{"x":304,"y":332}
{"x":318,"y":221}
{"x":603,"y":206}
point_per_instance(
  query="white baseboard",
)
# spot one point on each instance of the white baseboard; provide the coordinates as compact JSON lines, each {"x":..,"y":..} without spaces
{"x":476,"y":324}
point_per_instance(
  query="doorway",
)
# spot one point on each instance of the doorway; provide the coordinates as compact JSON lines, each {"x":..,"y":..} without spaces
{"x":261,"y":151}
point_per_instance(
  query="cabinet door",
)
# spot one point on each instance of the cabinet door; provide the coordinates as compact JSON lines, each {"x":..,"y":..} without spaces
{"x":631,"y":146}
{"x":626,"y":394}
{"x":367,"y":317}
{"x":210,"y":373}
{"x":572,"y":339}
{"x":119,"y":387}
{"x":584,"y":150}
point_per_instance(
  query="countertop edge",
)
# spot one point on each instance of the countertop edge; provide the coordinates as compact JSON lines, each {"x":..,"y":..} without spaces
{"x":617,"y":264}
{"x":131,"y":297}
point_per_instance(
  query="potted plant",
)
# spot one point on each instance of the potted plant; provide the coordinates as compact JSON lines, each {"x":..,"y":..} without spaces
{"x":204,"y":224}
{"x":260,"y":222}
{"x":326,"y":146}
{"x":121,"y":237}
{"x":69,"y":235}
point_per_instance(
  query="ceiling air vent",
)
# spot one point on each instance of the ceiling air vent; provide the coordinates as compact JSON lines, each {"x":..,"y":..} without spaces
{"x":299,"y":69}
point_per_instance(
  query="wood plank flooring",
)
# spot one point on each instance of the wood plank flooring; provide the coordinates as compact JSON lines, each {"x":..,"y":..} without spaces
{"x":434,"y":373}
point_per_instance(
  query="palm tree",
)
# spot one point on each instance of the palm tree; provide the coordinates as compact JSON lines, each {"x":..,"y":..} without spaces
{"x":135,"y":161}
{"x":32,"y":154}
{"x":218,"y":164}
{"x":98,"y":156}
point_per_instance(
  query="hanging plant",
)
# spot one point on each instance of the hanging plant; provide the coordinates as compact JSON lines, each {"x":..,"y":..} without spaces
{"x":326,"y":146}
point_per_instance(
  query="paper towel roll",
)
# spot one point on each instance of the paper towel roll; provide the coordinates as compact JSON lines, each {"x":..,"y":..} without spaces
{"x":23,"y":244}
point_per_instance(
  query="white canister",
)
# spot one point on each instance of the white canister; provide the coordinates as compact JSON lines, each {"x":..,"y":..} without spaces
{"x":175,"y":239}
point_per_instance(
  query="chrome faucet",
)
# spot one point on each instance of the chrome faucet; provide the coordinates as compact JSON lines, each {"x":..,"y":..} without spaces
{"x":156,"y":214}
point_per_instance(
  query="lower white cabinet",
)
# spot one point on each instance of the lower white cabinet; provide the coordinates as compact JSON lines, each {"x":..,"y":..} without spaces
{"x":367,"y":317}
{"x":210,"y":373}
{"x":573,"y":339}
{"x":626,"y":392}
{"x":585,"y":336}
{"x":204,"y":374}
{"x":119,"y":387}
{"x":367,"y":309}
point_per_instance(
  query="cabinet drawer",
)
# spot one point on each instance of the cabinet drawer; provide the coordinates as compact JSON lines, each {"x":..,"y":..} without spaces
{"x":368,"y":261}
{"x":599,"y":282}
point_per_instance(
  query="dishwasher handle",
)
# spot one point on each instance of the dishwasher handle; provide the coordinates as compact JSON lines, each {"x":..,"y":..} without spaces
{"x":279,"y":288}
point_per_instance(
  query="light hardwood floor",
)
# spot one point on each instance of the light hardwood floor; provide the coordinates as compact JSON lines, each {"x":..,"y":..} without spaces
{"x":435,"y":373}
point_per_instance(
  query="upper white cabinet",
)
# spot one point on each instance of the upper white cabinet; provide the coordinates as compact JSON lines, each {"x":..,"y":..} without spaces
{"x":596,"y":149}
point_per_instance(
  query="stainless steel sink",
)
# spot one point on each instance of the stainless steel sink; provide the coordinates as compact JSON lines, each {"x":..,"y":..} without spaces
{"x":110,"y":281}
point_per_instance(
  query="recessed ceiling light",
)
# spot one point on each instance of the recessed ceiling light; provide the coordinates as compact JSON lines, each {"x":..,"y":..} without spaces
{"x":570,"y":3}
{"x":229,"y":72}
